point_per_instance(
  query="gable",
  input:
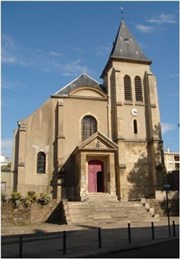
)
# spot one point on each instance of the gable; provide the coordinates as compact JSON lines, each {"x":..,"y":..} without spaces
{"x":87,"y":92}
{"x":98,"y":141}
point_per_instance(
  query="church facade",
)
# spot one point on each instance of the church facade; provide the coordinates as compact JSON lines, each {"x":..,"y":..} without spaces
{"x":90,"y":137}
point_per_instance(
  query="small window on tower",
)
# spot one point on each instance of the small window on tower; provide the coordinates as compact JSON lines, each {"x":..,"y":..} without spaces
{"x":135,"y":126}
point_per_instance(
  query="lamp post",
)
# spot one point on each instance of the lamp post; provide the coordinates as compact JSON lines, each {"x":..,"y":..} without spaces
{"x":167,"y":188}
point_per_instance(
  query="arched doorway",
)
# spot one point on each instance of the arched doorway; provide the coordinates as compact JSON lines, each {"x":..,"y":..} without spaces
{"x":95,"y":176}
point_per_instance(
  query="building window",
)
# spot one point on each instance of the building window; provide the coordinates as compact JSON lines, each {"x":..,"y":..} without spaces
{"x":88,"y":126}
{"x":138,"y":89}
{"x":41,"y":162}
{"x":135,"y":127}
{"x":127,"y":88}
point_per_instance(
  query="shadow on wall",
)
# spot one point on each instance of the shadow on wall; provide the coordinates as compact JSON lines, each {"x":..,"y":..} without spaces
{"x":141,"y":180}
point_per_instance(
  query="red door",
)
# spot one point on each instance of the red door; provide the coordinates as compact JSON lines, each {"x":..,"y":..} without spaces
{"x":94,"y":166}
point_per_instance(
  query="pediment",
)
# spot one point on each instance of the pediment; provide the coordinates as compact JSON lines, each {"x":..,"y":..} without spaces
{"x":86,"y":91}
{"x":98,"y":141}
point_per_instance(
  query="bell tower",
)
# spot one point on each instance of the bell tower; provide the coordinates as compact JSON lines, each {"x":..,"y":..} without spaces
{"x":133,"y":116}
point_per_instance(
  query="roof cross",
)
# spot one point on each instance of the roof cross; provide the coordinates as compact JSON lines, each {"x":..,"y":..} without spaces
{"x":84,"y":70}
{"x":122,"y":12}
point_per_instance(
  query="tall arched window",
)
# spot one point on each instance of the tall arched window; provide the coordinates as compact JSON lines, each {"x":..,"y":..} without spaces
{"x":41,"y":163}
{"x":88,"y":126}
{"x":135,"y":126}
{"x":127,"y":88}
{"x":138,"y":89}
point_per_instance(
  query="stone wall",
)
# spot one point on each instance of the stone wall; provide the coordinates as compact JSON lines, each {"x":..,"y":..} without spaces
{"x":35,"y":214}
{"x":160,"y":206}
{"x":14,"y":216}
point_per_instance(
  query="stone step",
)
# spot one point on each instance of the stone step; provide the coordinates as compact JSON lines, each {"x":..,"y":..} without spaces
{"x":101,"y":196}
{"x":108,"y":220}
{"x":103,"y":208}
{"x":104,"y":204}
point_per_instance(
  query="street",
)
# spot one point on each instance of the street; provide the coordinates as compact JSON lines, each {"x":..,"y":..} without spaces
{"x":168,"y":249}
{"x":85,"y":243}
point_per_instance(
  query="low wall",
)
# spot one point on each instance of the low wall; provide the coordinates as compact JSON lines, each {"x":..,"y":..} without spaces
{"x":161,"y":195}
{"x":160,"y":203}
{"x":35,"y":214}
{"x":7,"y":178}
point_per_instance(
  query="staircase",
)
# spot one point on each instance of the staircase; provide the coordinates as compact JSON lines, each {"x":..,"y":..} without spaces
{"x":101,"y":208}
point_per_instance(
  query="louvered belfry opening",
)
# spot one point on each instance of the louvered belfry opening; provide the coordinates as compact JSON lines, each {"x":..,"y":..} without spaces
{"x":138,"y":89}
{"x":127,"y":88}
{"x":89,"y":126}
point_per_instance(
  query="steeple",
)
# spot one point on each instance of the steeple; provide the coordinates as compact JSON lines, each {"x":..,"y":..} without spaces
{"x":125,"y":48}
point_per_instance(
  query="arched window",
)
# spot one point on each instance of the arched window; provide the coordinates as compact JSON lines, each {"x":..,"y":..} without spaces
{"x":135,"y":126}
{"x":127,"y":88}
{"x":41,"y":162}
{"x":88,"y":126}
{"x":138,"y":89}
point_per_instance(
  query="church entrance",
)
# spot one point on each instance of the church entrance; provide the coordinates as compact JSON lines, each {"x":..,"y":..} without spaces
{"x":95,"y":176}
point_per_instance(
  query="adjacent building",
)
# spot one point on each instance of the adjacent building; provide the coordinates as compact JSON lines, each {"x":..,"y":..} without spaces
{"x":171,"y":160}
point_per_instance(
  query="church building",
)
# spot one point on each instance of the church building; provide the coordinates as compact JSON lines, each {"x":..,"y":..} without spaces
{"x":90,"y":137}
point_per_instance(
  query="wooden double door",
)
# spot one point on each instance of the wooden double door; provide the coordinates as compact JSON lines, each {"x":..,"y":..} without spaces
{"x":95,"y":176}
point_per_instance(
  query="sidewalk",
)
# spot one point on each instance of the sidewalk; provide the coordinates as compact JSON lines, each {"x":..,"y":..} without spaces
{"x":82,"y":241}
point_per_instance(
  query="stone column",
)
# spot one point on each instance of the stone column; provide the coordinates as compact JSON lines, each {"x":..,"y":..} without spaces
{"x":112,"y":175}
{"x":60,"y":134}
{"x":21,"y":158}
{"x":83,"y":180}
{"x":60,"y":148}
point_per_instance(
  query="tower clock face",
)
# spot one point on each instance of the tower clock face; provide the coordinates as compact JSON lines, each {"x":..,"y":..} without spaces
{"x":134,"y":111}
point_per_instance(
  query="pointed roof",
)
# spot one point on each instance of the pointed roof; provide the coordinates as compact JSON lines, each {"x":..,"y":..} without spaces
{"x":126,"y":48}
{"x":82,"y":80}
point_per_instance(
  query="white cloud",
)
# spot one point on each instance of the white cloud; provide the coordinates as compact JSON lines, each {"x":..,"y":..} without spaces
{"x":163,"y":19}
{"x":7,"y":84}
{"x":166,"y":127}
{"x":8,"y":53}
{"x":8,"y":46}
{"x":38,"y":50}
{"x":104,"y":50}
{"x":8,"y":42}
{"x":56,"y":54}
{"x":6,"y":146}
{"x":144,"y":28}
{"x":77,"y":50}
{"x":10,"y":84}
{"x":73,"y":68}
{"x":7,"y":58}
{"x":174,"y":75}
{"x":39,"y":59}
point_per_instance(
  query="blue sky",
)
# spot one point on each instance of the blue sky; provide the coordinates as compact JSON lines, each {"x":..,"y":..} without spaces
{"x":45,"y":45}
